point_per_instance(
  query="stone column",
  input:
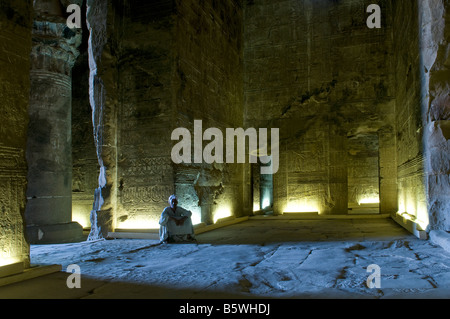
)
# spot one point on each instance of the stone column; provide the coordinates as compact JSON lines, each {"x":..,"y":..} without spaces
{"x":336,"y":198}
{"x":49,"y":148}
{"x":280,"y":183}
{"x":256,"y":188}
{"x":207,"y":196}
{"x":265,"y":190}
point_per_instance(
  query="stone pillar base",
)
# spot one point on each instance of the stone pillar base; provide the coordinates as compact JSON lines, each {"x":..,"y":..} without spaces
{"x":206,"y":213}
{"x":55,"y":234}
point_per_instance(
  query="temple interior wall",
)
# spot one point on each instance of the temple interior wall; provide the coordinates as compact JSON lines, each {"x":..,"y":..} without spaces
{"x":15,"y":26}
{"x":434,"y":19}
{"x":350,"y":103}
{"x":363,"y":113}
{"x":145,"y":172}
{"x":208,"y":87}
{"x":185,"y":64}
{"x":315,"y":70}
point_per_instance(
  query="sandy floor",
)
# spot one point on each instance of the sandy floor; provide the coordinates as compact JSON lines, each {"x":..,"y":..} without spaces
{"x":254,"y":259}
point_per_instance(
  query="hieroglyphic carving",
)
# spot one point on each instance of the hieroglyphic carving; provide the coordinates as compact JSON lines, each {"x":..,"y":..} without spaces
{"x":12,"y":203}
{"x":12,"y":200}
{"x":412,"y":168}
{"x":159,"y":139}
{"x":146,"y":166}
{"x":12,"y":162}
{"x":305,"y":158}
{"x":146,"y":194}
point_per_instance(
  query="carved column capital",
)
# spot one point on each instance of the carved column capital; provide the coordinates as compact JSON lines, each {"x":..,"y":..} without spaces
{"x":55,"y":45}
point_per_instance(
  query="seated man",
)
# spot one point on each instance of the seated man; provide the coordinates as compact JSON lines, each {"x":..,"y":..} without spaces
{"x":176,"y":223}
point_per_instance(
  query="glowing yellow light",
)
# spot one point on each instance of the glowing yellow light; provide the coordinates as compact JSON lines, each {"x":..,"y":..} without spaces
{"x":222,"y":212}
{"x":401,"y":205}
{"x":256,"y":207}
{"x":421,"y":223}
{"x":301,"y":207}
{"x":413,"y":206}
{"x":148,"y":223}
{"x":266,"y":203}
{"x":81,"y":217}
{"x":196,"y":217}
{"x":369,"y":200}
{"x":4,"y":261}
{"x":138,"y":223}
{"x":422,"y":215}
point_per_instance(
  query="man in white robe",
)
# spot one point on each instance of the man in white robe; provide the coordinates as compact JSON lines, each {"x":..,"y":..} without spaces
{"x":175,"y":223}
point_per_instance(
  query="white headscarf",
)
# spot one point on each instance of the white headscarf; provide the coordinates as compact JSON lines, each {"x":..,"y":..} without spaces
{"x":172,"y":197}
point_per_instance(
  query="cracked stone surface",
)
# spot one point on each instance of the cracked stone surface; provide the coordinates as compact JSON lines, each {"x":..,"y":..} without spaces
{"x":257,"y":258}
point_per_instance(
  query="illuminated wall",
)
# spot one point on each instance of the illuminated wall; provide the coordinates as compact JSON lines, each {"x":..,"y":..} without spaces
{"x":255,"y":184}
{"x":422,"y":81}
{"x":208,"y":86}
{"x":304,"y":67}
{"x":363,"y":170}
{"x":145,"y":175}
{"x":311,"y":68}
{"x":435,"y":77}
{"x":315,"y":70}
{"x":410,"y":157}
{"x":15,"y":30}
{"x":174,"y":62}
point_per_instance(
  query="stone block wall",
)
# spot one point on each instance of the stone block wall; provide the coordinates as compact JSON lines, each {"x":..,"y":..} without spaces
{"x":315,"y":70}
{"x":208,"y":87}
{"x":362,"y":112}
{"x":410,"y":159}
{"x":434,"y":33}
{"x":349,"y":102}
{"x":363,"y":169}
{"x":15,"y":29}
{"x":145,"y":174}
{"x":168,"y":63}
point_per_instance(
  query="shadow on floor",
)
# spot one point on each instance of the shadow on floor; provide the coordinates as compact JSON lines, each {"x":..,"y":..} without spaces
{"x":253,"y":232}
{"x":54,"y":286}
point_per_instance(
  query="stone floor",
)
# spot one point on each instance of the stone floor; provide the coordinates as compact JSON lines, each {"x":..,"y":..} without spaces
{"x":259,"y":258}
